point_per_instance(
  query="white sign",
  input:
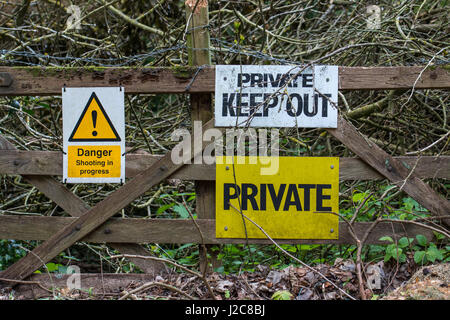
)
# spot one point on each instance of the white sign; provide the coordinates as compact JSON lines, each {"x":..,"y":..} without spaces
{"x":276,"y":96}
{"x":93,"y":135}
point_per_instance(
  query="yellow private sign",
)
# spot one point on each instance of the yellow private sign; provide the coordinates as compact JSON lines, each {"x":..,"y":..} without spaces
{"x":295,"y":203}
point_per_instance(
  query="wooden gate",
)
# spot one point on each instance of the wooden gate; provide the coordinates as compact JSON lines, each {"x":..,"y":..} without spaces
{"x":94,"y":224}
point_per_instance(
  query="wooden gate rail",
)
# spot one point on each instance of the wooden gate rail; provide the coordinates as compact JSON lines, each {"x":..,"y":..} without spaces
{"x":49,"y":81}
{"x":38,"y":81}
{"x":141,"y":230}
{"x":50,"y":163}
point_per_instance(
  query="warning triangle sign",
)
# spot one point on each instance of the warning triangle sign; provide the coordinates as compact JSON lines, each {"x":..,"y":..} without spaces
{"x":94,"y":124}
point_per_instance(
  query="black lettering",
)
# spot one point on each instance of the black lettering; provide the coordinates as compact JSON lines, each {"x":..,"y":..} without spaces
{"x":256,"y":79}
{"x":241,"y":104}
{"x":282,"y":79}
{"x":249,"y":196}
{"x":306,"y":106}
{"x":292,"y":191}
{"x":307,"y":195}
{"x":262,"y":197}
{"x":80,"y":152}
{"x":254,"y":106}
{"x":325,"y":105}
{"x":289,"y":108}
{"x":307,"y":81}
{"x":227,"y":104}
{"x":293,"y":80}
{"x":276,"y":198}
{"x":320,"y":197}
{"x":269,"y":103}
{"x":274,"y":82}
{"x":227,"y":196}
{"x":246,"y":77}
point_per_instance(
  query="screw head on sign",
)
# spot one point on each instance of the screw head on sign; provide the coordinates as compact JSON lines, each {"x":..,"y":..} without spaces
{"x":226,"y":228}
{"x":332,"y":166}
{"x":227,"y":168}
{"x":331,"y":230}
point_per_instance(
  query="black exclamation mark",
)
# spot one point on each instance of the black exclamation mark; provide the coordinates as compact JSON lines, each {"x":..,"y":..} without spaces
{"x":94,"y":121}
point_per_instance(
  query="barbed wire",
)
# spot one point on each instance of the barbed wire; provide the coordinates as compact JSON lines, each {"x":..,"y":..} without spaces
{"x":11,"y":58}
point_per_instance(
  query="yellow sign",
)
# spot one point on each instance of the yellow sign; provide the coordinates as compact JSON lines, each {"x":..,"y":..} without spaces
{"x":94,"y":161}
{"x":297,"y":202}
{"x":94,"y":124}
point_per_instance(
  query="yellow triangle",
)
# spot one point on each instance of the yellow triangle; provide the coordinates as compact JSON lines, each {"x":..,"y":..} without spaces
{"x":94,"y":124}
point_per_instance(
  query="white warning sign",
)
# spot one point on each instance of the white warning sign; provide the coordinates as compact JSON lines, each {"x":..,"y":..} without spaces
{"x":93,"y":135}
{"x":276,"y":96}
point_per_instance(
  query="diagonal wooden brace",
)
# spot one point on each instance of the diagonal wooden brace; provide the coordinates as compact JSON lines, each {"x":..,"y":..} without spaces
{"x":396,"y":171}
{"x":74,"y":206}
{"x":100,"y":213}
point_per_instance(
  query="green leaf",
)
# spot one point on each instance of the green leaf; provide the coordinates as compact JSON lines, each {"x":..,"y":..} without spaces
{"x":394,"y":251}
{"x":404,"y":242}
{"x":421,"y":240}
{"x":220,"y":269}
{"x":51,"y":267}
{"x":227,"y":294}
{"x":434,"y":253}
{"x":419,"y":257}
{"x":387,"y":256}
{"x":359,"y":196}
{"x":402,"y":258}
{"x":386,"y":238}
{"x":164,"y":208}
{"x":431,"y":256}
{"x":45,"y":105}
{"x":181,"y":211}
{"x":282,"y":295}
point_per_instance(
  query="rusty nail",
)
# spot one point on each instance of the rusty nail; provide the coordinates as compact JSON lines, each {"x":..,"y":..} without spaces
{"x":107,"y":231}
{"x":78,"y":227}
{"x":433,"y":75}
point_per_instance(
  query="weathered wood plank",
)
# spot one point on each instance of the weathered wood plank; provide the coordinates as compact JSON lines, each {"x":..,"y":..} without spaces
{"x":178,"y":231}
{"x":37,"y":81}
{"x":50,"y":81}
{"x":396,"y":171}
{"x":198,"y":44}
{"x":96,"y":216}
{"x":50,"y":163}
{"x":109,"y":284}
{"x":375,"y":78}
